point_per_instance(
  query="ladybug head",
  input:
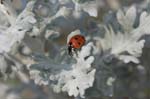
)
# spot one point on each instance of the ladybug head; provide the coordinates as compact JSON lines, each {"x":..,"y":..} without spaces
{"x":70,"y":49}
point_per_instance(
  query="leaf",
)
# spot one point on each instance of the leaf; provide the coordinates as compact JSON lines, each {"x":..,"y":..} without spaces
{"x":122,"y":44}
{"x":143,"y":27}
{"x":41,"y":66}
{"x":81,"y":75}
{"x":131,"y":15}
{"x":39,"y":57}
{"x":16,"y":32}
{"x":127,"y":20}
{"x":143,"y":17}
{"x":91,"y":11}
{"x":127,"y":59}
{"x":120,"y":16}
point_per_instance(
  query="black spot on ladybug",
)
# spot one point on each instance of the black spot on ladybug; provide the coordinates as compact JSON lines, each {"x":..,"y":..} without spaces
{"x":79,"y":43}
{"x":76,"y":38}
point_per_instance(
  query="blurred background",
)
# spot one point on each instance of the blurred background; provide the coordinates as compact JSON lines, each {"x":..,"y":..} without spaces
{"x":133,"y":80}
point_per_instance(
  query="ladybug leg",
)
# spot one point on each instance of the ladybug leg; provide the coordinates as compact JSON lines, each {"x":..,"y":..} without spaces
{"x":75,"y":51}
{"x":70,"y":50}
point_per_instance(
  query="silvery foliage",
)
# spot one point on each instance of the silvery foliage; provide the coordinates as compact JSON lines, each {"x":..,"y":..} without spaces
{"x":80,"y":74}
{"x":118,"y":48}
{"x":124,"y":45}
{"x":12,"y":31}
{"x":80,"y":77}
{"x":19,"y":26}
{"x":6,"y":94}
{"x":129,"y":40}
{"x":90,"y":72}
{"x":135,"y":45}
{"x":89,"y":6}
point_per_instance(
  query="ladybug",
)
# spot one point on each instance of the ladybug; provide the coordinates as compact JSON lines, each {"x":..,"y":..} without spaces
{"x":76,"y":42}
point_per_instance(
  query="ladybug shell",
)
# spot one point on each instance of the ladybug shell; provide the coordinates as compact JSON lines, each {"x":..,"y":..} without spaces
{"x":77,"y":41}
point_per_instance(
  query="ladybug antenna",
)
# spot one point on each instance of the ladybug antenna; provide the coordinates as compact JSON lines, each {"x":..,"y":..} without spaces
{"x":70,"y":50}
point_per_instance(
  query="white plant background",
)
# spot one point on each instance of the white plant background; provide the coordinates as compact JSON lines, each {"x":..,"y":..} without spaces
{"x":114,"y":62}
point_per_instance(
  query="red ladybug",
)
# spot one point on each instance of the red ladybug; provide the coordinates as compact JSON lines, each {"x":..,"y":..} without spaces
{"x":76,"y":42}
